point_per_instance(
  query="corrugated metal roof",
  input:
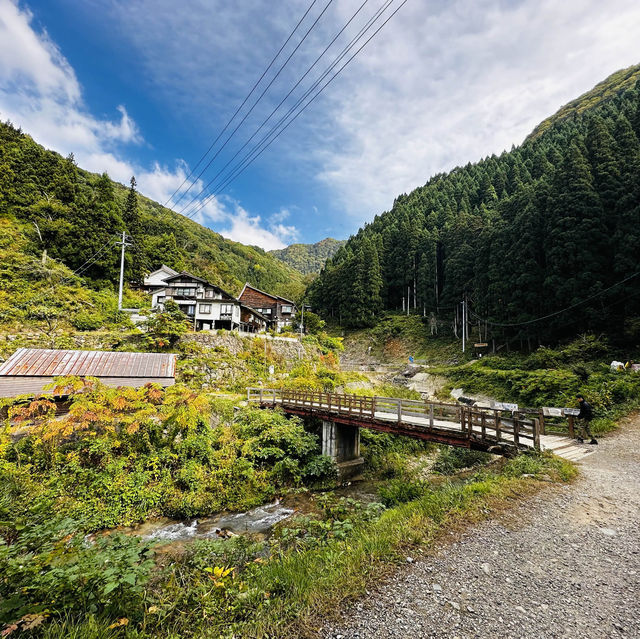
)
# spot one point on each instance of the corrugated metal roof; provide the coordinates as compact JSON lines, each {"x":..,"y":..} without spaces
{"x":12,"y":386}
{"x":38,"y":362}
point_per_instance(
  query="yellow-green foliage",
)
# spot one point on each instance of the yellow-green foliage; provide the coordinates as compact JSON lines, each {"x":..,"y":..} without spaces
{"x":45,"y":294}
{"x":608,"y":88}
{"x":122,"y":455}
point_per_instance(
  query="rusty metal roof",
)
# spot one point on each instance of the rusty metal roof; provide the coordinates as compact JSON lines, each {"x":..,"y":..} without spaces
{"x":41,"y":362}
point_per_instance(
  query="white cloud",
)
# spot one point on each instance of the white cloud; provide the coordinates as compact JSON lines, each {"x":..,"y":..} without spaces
{"x":449,"y":83}
{"x":444,"y":83}
{"x":40,"y":92}
{"x":248,"y":230}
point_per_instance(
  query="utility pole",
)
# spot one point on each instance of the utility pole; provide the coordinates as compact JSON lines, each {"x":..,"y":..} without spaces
{"x":123,"y":243}
{"x":302,"y":322}
{"x":464,"y":324}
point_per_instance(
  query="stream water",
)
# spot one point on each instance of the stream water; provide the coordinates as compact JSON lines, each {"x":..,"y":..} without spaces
{"x":257,"y":522}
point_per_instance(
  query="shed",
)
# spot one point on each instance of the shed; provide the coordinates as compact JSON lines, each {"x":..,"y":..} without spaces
{"x":29,"y":370}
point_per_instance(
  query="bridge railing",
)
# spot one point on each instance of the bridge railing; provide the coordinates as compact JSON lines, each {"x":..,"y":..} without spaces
{"x":471,"y":423}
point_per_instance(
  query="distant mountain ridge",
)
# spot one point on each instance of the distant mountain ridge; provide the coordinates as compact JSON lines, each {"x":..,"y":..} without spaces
{"x":308,"y":258}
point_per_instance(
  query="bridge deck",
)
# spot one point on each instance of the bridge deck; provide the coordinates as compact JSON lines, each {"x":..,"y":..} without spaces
{"x":453,"y":424}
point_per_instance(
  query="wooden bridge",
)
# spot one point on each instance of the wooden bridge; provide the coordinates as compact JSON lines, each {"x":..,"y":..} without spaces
{"x":465,"y":426}
{"x":495,"y":431}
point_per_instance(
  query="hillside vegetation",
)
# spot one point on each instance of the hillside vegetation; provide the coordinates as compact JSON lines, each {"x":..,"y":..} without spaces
{"x":549,"y":225}
{"x":308,"y":258}
{"x":47,"y":203}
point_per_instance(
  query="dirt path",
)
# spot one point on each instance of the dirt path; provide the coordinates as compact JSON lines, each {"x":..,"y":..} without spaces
{"x":563,"y":564}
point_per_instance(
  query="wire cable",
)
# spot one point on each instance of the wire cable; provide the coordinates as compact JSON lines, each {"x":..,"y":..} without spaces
{"x":253,"y":88}
{"x":248,"y":113}
{"x":351,"y":44}
{"x":564,"y":310}
{"x":266,"y":120}
{"x":248,"y":160}
{"x":81,"y":269}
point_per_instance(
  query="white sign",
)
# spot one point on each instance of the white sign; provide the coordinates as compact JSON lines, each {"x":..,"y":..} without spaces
{"x":548,"y":411}
{"x":505,"y":406}
{"x":571,"y":411}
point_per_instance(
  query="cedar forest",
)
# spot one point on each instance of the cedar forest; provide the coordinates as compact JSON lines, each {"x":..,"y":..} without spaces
{"x":522,"y":235}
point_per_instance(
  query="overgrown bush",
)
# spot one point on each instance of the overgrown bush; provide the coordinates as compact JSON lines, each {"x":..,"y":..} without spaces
{"x":450,"y":460}
{"x":50,"y":569}
{"x":398,"y":491}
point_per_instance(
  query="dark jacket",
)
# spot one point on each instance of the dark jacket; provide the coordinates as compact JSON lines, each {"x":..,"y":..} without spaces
{"x":586,"y":412}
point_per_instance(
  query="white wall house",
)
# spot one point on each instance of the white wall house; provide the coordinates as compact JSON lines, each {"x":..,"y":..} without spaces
{"x":207,"y":305}
{"x":156,"y":280}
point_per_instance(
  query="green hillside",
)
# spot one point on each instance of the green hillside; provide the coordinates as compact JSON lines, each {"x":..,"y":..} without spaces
{"x":543,"y":241}
{"x":605,"y":90}
{"x":48,"y":204}
{"x":308,"y":258}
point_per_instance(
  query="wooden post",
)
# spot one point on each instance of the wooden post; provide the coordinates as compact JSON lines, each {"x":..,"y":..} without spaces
{"x":399,"y":411}
{"x":496,"y":416}
{"x":516,"y":429}
{"x":542,"y":430}
{"x":260,"y":396}
{"x":571,"y":426}
{"x":484,"y":427}
{"x":431,"y":416}
{"x":536,"y":433}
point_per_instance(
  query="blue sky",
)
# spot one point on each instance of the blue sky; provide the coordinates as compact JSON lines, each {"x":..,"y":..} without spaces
{"x":144,"y":86}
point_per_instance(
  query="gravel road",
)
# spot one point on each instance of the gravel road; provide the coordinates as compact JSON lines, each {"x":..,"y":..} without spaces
{"x":565,"y":563}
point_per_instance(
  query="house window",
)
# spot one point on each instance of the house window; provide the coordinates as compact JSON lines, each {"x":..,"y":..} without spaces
{"x":160,"y":299}
{"x":189,"y":310}
{"x":205,"y":308}
{"x":208,"y":293}
{"x":287,"y":309}
{"x":226,"y":309}
{"x":265,"y":311}
{"x":184,"y":291}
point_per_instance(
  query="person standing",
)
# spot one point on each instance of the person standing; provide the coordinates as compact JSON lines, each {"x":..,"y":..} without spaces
{"x":584,"y":418}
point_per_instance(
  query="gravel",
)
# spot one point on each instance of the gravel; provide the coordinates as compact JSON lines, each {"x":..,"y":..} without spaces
{"x":565,"y":563}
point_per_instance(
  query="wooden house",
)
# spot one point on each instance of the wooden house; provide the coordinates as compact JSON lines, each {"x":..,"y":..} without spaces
{"x":279,"y":311}
{"x":207,"y":305}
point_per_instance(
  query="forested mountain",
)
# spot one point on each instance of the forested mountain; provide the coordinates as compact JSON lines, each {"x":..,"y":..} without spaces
{"x":56,"y":206}
{"x":523,"y":235}
{"x":308,"y":258}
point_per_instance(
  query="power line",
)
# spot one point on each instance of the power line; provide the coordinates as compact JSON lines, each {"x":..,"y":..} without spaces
{"x":564,"y":310}
{"x":248,"y":113}
{"x":253,"y":88}
{"x":248,"y":159}
{"x":238,"y":168}
{"x":81,"y":269}
{"x":295,"y":86}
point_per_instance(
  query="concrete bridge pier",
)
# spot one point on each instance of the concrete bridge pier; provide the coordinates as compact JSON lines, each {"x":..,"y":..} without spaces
{"x":342,"y":443}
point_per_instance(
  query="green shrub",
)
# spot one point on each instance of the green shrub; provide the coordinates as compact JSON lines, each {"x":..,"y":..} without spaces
{"x":398,"y":491}
{"x":451,"y":459}
{"x":51,"y":570}
{"x":87,"y":321}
